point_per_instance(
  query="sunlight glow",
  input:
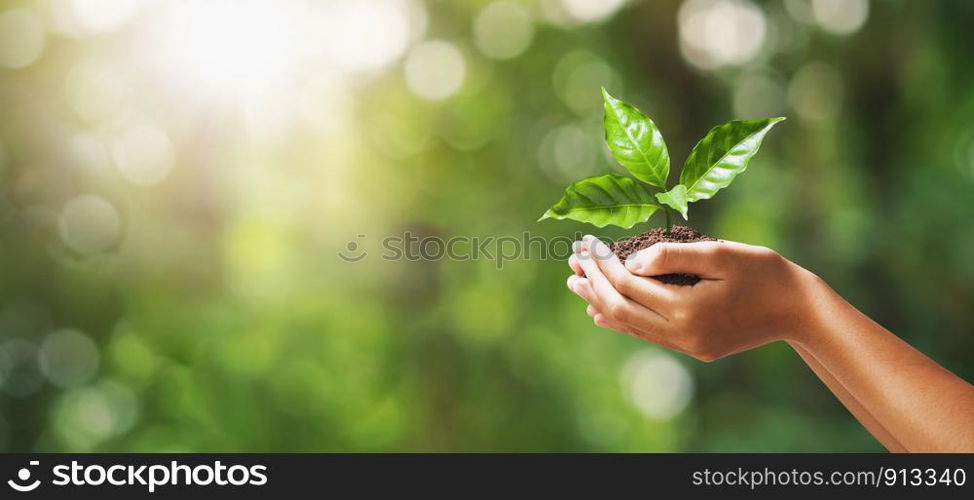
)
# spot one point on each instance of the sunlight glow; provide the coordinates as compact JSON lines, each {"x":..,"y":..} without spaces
{"x":365,"y":36}
{"x":228,"y":45}
{"x":80,"y":18}
{"x":245,"y":50}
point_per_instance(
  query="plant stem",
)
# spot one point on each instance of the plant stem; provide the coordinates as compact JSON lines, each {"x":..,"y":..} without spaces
{"x":668,"y":225}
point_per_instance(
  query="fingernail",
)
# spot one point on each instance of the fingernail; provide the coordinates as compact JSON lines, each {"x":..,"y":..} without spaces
{"x":583,"y":254}
{"x":577,"y":246}
{"x":631,"y":263}
{"x":570,"y":280}
{"x":588,"y":237}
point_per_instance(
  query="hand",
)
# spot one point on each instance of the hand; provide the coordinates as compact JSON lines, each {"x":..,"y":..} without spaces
{"x":748,"y":295}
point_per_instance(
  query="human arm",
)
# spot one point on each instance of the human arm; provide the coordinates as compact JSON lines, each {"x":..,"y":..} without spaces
{"x":750,"y":296}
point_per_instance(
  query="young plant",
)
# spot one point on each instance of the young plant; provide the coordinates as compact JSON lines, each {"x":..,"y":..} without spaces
{"x":638,"y":146}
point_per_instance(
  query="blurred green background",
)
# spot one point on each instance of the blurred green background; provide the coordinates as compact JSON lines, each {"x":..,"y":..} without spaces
{"x":177,"y":179}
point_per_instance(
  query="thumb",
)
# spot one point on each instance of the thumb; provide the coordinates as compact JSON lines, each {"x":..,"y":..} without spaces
{"x":700,"y":258}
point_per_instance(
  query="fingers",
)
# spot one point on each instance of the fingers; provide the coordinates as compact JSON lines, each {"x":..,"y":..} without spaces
{"x":604,"y":322}
{"x":576,"y":267}
{"x":650,"y":293}
{"x":614,"y":305}
{"x":602,"y":292}
{"x":703,"y":258}
{"x":591,"y":311}
{"x":583,"y":289}
{"x":580,"y":286}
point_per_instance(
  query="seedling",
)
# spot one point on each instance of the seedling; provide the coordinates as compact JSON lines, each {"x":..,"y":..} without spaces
{"x":638,"y":145}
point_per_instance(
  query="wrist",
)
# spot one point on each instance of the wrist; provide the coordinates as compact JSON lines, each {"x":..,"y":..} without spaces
{"x":820,"y":308}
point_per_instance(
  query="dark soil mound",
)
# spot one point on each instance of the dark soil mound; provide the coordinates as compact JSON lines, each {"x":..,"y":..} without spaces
{"x":677,"y":234}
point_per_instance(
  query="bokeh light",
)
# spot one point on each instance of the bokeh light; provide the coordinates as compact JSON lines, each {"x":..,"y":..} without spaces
{"x":223,"y":45}
{"x":86,"y":416}
{"x":257,"y":51}
{"x":177,"y":177}
{"x":89,"y":154}
{"x":716,"y":33}
{"x":759,"y":94}
{"x":658,"y":385}
{"x":19,"y":369}
{"x":568,"y":152}
{"x":95,"y":90}
{"x":503,"y":30}
{"x":363,"y":36}
{"x":840,"y":17}
{"x":80,"y":18}
{"x":22,"y":38}
{"x":89,"y":224}
{"x":68,"y":358}
{"x":577,"y":78}
{"x":144,"y":155}
{"x":591,"y":10}
{"x":435,"y":70}
{"x":326,"y":104}
{"x":816,"y":92}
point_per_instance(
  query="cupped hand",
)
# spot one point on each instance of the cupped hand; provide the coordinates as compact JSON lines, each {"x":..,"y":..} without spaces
{"x":748,"y":295}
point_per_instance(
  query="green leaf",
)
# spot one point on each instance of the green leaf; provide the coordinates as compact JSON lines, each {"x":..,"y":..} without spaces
{"x":676,"y":199}
{"x":607,"y":199}
{"x":635,"y":141}
{"x":722,"y":154}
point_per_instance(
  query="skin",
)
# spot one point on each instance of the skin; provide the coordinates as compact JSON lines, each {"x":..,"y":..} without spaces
{"x":750,"y":296}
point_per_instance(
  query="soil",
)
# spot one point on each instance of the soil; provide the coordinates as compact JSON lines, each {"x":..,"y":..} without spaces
{"x":677,"y":234}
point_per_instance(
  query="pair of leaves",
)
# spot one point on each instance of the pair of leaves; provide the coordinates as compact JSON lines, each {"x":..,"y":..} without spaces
{"x":637,"y":144}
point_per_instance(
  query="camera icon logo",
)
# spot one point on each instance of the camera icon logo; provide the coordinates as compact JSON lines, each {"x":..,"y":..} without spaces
{"x":24,"y":475}
{"x":353,"y":251}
